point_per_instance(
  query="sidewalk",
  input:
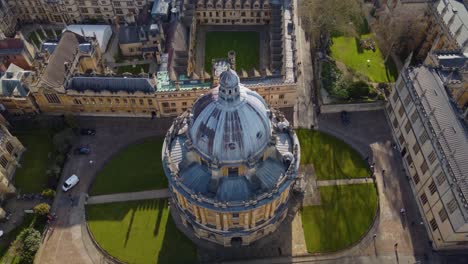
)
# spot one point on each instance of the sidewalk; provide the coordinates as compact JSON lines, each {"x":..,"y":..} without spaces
{"x":132,"y":196}
{"x":344,"y":182}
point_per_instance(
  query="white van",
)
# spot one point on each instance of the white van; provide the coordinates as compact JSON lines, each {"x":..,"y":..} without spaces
{"x":70,"y":182}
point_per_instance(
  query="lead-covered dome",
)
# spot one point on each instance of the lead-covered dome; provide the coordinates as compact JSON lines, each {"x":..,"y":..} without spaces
{"x":230,"y":124}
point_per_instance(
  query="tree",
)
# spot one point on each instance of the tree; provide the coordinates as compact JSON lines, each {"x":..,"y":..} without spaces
{"x":48,"y":193}
{"x":63,"y":140}
{"x":42,"y":209}
{"x":324,"y":18}
{"x":400,"y":32}
{"x":27,"y":243}
{"x":358,"y":90}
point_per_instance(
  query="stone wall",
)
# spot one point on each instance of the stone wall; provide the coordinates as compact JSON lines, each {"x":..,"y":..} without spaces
{"x":336,"y":108}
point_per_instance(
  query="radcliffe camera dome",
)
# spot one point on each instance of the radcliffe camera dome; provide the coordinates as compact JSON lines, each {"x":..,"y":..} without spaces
{"x":231,"y":123}
{"x":231,"y":163}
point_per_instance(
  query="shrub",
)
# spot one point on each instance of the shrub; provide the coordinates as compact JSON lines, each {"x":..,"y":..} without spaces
{"x":359,"y":90}
{"x":48,"y":193}
{"x":42,"y":209}
{"x":27,"y":243}
{"x":381,"y":97}
{"x":71,"y":122}
{"x":64,"y":140}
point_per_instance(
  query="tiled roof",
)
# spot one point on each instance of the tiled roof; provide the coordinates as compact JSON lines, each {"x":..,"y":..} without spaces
{"x":449,"y":129}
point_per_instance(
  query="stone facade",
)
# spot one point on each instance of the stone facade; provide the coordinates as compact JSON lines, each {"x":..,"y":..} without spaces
{"x":15,"y":96}
{"x":11,"y":150}
{"x":231,"y":187}
{"x":75,"y":11}
{"x":434,"y":145}
{"x":233,"y":12}
{"x":448,"y":28}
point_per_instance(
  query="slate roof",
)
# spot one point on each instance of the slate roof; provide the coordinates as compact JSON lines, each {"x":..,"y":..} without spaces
{"x":111,"y":84}
{"x":11,"y":46}
{"x":129,"y":34}
{"x":450,"y":130}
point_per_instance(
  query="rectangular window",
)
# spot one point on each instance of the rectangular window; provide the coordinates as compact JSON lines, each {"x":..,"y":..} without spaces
{"x":407,"y":100}
{"x":401,"y":111}
{"x":77,"y":101}
{"x":3,"y":162}
{"x":401,"y":139}
{"x":184,"y":103}
{"x":414,"y":116}
{"x":423,"y":138}
{"x":434,"y":224}
{"x":133,"y":101}
{"x":142,"y":102}
{"x":416,"y":178}
{"x":9,"y":147}
{"x":432,"y":157}
{"x":443,"y":215}
{"x":408,"y":127}
{"x":150,"y":102}
{"x":440,"y":178}
{"x":424,"y":167}
{"x":416,"y":148}
{"x":409,"y":159}
{"x":423,"y":198}
{"x":452,"y":206}
{"x":395,"y":97}
{"x":165,"y":104}
{"x":52,"y":98}
{"x":173,"y":104}
{"x":432,"y":187}
{"x":395,"y":122}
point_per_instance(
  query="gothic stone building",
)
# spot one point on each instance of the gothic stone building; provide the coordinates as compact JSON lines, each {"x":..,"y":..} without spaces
{"x":231,"y":163}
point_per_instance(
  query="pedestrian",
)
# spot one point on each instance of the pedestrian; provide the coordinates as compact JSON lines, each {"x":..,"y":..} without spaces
{"x":367,"y":159}
{"x":375,"y":236}
{"x":395,"y":246}
{"x":383,"y":172}
{"x":403,"y":211}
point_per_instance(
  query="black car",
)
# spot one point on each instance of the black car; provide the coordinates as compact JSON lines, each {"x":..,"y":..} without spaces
{"x":82,"y":151}
{"x":88,"y":132}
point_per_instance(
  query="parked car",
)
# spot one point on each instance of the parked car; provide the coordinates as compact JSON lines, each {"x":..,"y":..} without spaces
{"x":88,"y":132}
{"x":70,"y":182}
{"x":82,"y":151}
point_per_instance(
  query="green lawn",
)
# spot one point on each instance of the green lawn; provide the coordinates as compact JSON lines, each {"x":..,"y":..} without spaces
{"x":245,"y":44}
{"x":136,"y":168}
{"x":139,"y":232}
{"x":134,"y":70}
{"x":346,"y":50}
{"x":31,"y":176}
{"x":345,"y":215}
{"x":331,"y":157}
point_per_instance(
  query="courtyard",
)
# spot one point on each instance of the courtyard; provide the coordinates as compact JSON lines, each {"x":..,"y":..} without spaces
{"x":139,"y":232}
{"x":246,"y":45}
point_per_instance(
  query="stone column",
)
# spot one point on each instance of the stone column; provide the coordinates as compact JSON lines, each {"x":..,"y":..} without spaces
{"x":246,"y":220}
{"x":218,"y":221}
{"x":254,"y":220}
{"x":202,"y":215}
{"x":225,"y":222}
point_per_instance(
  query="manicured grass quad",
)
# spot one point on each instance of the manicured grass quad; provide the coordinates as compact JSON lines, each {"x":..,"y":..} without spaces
{"x":245,"y":44}
{"x":136,"y":168}
{"x":331,"y":157}
{"x":31,"y":177}
{"x":345,"y":215}
{"x":346,"y":50}
{"x":139,"y":232}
